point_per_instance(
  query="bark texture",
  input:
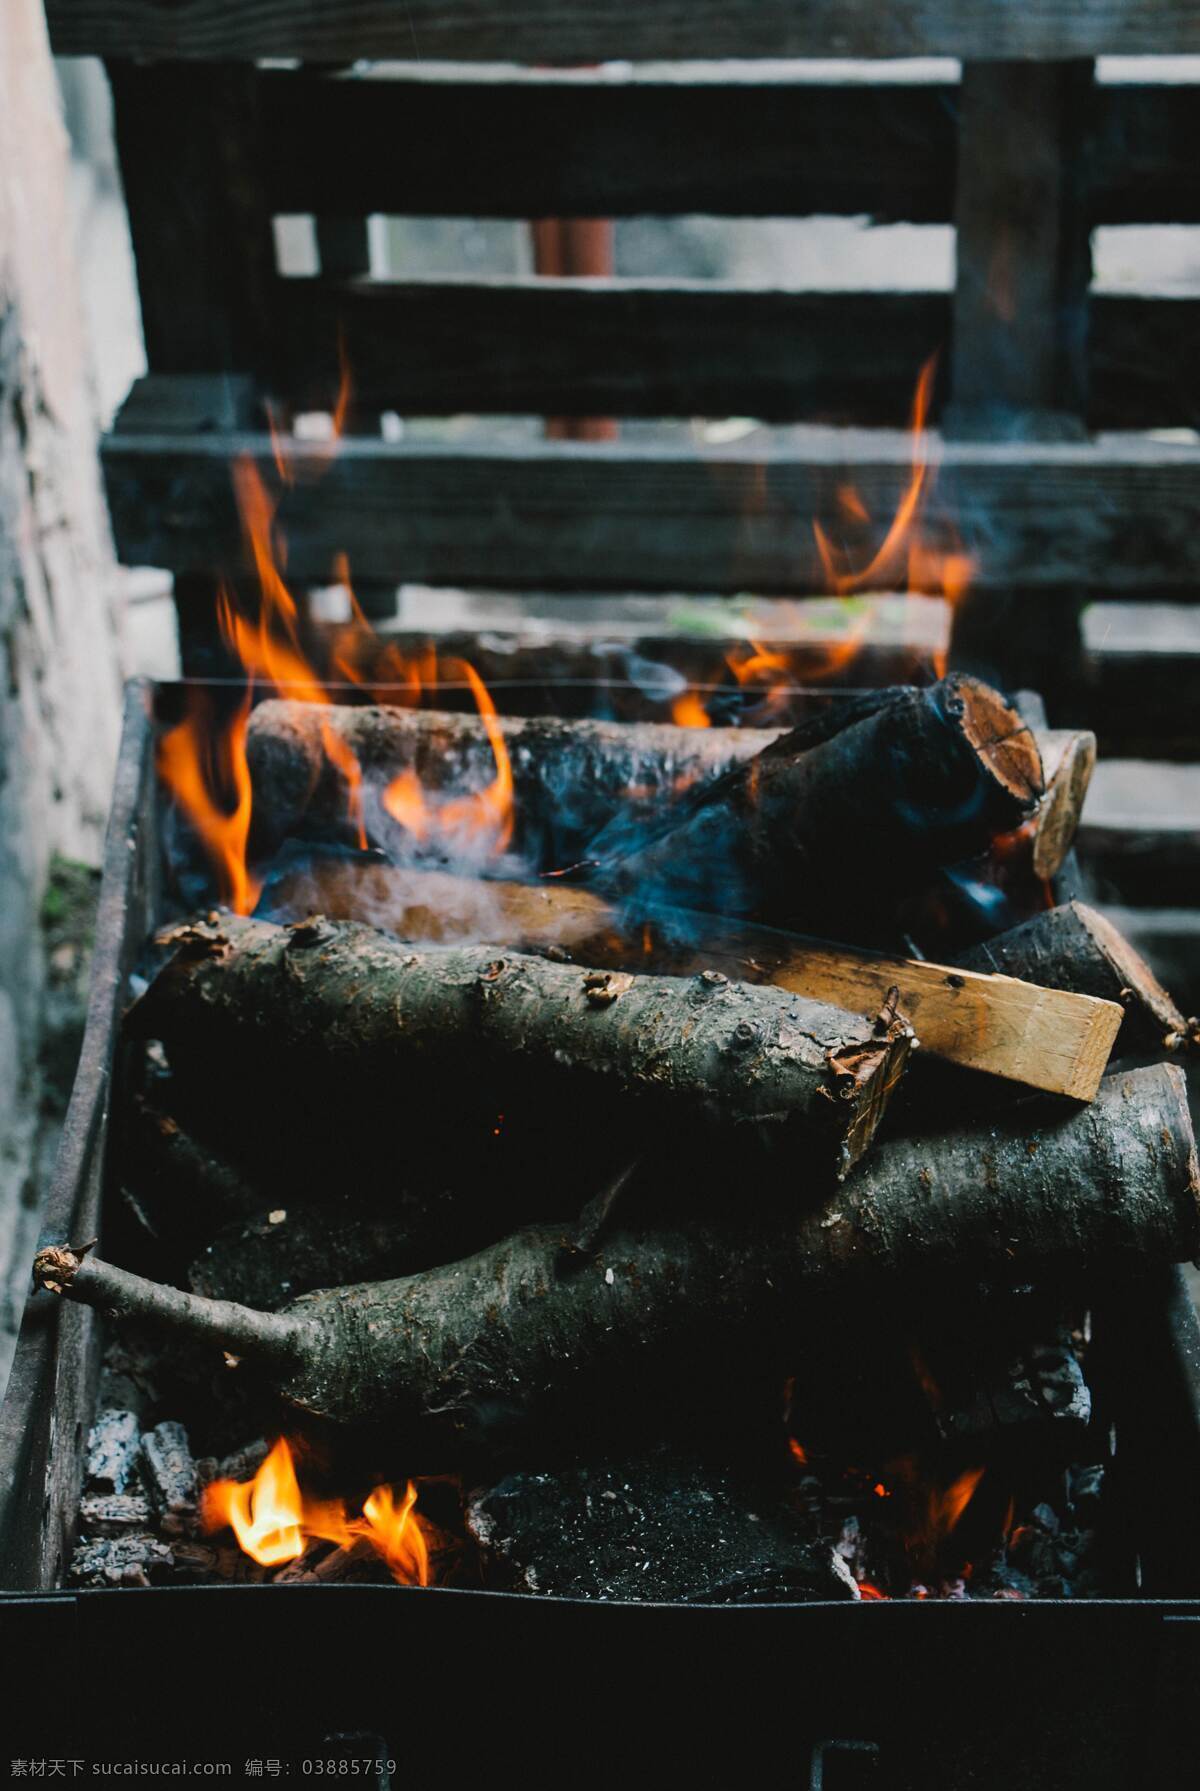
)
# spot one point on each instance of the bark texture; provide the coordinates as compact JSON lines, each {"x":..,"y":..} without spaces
{"x":758,"y":1063}
{"x":1073,"y":947}
{"x":483,"y":1348}
{"x":830,"y":837}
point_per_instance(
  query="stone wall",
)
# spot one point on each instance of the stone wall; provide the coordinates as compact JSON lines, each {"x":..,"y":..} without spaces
{"x":59,"y":658}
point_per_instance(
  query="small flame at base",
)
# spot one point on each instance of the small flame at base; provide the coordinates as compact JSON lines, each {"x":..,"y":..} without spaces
{"x":274,"y":1521}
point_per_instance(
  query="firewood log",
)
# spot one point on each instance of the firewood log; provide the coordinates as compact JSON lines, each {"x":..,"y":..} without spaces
{"x":486,"y":1346}
{"x":1073,"y":947}
{"x":829,"y":838}
{"x":1010,"y":1029}
{"x":571,"y":779}
{"x":757,"y":1063}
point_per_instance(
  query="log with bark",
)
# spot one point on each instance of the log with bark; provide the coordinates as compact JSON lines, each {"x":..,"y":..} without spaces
{"x":385,"y":1020}
{"x":831,"y":837}
{"x":571,"y":779}
{"x":1074,"y":947}
{"x":485,"y":1347}
{"x":1016,"y":1030}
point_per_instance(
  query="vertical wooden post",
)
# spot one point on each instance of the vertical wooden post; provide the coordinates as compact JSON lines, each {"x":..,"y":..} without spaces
{"x":187,"y":141}
{"x":1019,"y":356}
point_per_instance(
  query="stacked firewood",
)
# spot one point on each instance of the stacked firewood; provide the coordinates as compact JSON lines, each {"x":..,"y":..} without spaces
{"x":711,"y":1046}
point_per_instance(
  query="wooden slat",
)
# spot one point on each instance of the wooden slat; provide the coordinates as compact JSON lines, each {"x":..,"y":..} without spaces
{"x":1141,"y":831}
{"x":1022,"y":251}
{"x":604,"y":30}
{"x":531,"y":143}
{"x":634,"y":348}
{"x":1115,"y":515}
{"x":684,"y":348}
{"x":199,"y":221}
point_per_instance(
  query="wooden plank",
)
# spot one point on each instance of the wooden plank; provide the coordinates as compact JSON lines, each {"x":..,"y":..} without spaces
{"x":201,"y":230}
{"x":533,"y":144}
{"x":1141,"y":831}
{"x":1019,"y":360}
{"x":1115,"y":515}
{"x":605,"y":30}
{"x":526,"y":143}
{"x":1022,"y":251}
{"x":684,"y":348}
{"x":1044,"y":1038}
{"x":586,"y":346}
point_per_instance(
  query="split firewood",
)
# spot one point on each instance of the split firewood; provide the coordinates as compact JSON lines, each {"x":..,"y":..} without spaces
{"x":484,"y":1347}
{"x":572,"y":779}
{"x":1016,"y":1030}
{"x":661,"y":1528}
{"x":1073,"y":947}
{"x":758,"y":1063}
{"x":831,"y":837}
{"x":1068,"y":760}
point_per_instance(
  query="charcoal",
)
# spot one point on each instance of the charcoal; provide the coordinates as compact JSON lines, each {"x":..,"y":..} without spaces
{"x":138,"y":1559}
{"x":242,"y":1464}
{"x":660,"y":1528}
{"x":114,"y":1444}
{"x":113,"y":1514}
{"x":169,"y":1469}
{"x":1086,"y":1489}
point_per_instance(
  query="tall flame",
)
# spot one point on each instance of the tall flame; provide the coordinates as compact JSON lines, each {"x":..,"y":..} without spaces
{"x":274,"y":1521}
{"x":203,"y":766}
{"x":904,"y":559}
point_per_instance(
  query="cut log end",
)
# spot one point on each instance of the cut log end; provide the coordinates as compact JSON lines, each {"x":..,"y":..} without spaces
{"x":1003,"y":743}
{"x":56,"y":1267}
{"x":1067,"y":782}
{"x":1140,"y":988}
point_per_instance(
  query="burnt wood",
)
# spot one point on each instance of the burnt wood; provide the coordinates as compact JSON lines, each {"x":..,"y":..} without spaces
{"x":1114,"y":515}
{"x":607,"y":30}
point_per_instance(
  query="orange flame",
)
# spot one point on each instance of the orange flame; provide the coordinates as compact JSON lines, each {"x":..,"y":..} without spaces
{"x":198,"y":764}
{"x":274,"y":1521}
{"x":687,"y":711}
{"x":482,"y":818}
{"x":904,"y":559}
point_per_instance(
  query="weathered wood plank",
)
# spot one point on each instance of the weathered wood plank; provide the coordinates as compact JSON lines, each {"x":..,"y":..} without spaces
{"x":607,"y":30}
{"x":188,"y":144}
{"x":639,"y":348}
{"x":525,"y":143}
{"x":684,"y":348}
{"x":1115,"y":515}
{"x":535,"y":144}
{"x":1023,"y":251}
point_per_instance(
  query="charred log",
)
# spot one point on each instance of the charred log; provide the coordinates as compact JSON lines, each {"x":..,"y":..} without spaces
{"x":830,"y":837}
{"x":1073,"y":947}
{"x":181,"y":1190}
{"x":170,"y":1471}
{"x":662,"y":1529}
{"x":753,"y":1063}
{"x":482,"y":1347}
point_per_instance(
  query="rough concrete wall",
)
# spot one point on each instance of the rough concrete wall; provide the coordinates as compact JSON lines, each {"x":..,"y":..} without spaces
{"x":59,"y":672}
